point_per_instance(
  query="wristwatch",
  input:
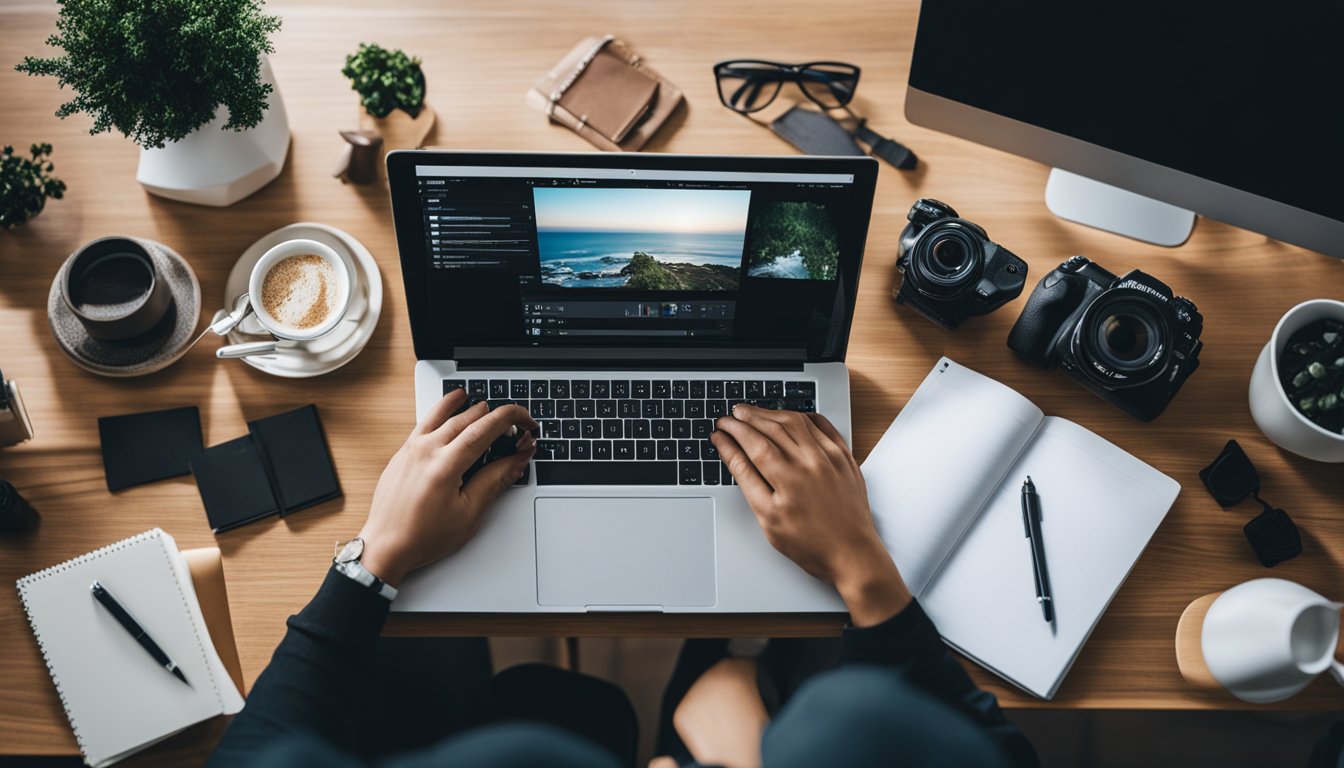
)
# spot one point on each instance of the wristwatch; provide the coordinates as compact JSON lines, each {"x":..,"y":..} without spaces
{"x":347,"y":562}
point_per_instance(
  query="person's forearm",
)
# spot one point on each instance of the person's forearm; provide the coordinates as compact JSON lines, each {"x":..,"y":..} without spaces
{"x":306,"y":687}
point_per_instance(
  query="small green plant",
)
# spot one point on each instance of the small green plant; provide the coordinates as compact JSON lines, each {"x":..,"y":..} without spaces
{"x":156,"y":70}
{"x":25,"y":184}
{"x":386,"y":80}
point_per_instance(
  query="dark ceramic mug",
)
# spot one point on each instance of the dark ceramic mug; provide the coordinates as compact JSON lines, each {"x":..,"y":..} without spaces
{"x":111,"y":285}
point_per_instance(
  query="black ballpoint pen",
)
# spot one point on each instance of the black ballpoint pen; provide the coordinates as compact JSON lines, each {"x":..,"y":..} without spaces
{"x":1031,"y":521}
{"x":128,"y":622}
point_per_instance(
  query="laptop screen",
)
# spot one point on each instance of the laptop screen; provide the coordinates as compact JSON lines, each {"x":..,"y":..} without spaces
{"x":548,"y":255}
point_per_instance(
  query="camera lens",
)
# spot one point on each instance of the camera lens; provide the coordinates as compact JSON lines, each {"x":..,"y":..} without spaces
{"x":1124,"y":338}
{"x":949,"y":256}
{"x":947,"y":261}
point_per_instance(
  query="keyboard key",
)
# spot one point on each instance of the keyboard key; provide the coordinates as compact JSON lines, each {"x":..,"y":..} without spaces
{"x":673,"y":409}
{"x":499,"y":389}
{"x":590,"y":428}
{"x":620,"y":389}
{"x":560,"y":389}
{"x":580,"y":450}
{"x":755,"y":389}
{"x":688,"y":449}
{"x":612,"y":428}
{"x":639,"y":390}
{"x":660,"y":389}
{"x":606,"y":409}
{"x":605,"y":473}
{"x":681,"y":428}
{"x":732,"y":390}
{"x":543,"y":409}
{"x":518,"y":389}
{"x":774,"y":389}
{"x":709,"y":472}
{"x":651,"y":409}
{"x":726,"y":474}
{"x":564,"y":409}
{"x":690,"y":472}
{"x":601,"y":390}
{"x":540,"y":388}
{"x":700,"y":429}
{"x":641,"y":428}
{"x":550,"y":428}
{"x":708,"y":451}
{"x":571,"y":429}
{"x":714,"y":390}
{"x":623,"y":450}
{"x":697,"y":390}
{"x":498,"y":403}
{"x":646,"y":450}
{"x":451,"y":384}
{"x":716,"y":408}
{"x":681,"y":390}
{"x":602,"y":449}
{"x":478,"y":388}
{"x":695,"y":409}
{"x":802,"y":389}
{"x":667,"y":449}
{"x":585,"y":409}
{"x":627,"y":409}
{"x":660,"y":428}
{"x":578,"y":389}
{"x":547,"y":449}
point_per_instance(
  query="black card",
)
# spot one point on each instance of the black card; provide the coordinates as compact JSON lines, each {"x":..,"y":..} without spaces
{"x":140,"y":448}
{"x":233,"y":484}
{"x":294,"y":448}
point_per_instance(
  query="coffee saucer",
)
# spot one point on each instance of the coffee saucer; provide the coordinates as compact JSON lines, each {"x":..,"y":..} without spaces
{"x":334,"y":349}
{"x":154,"y":350}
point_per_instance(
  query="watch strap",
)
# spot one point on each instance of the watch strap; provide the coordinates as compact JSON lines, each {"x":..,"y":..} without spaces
{"x":357,"y":572}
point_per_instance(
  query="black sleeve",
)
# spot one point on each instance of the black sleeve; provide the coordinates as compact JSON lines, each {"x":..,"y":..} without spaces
{"x":304,"y":690}
{"x":910,"y":643}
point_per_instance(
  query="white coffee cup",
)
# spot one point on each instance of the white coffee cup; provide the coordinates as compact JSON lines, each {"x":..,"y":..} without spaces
{"x":1273,"y":413}
{"x":279,"y":253}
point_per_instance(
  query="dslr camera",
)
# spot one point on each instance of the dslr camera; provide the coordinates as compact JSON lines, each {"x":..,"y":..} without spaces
{"x":1128,"y":339}
{"x":950,"y":268}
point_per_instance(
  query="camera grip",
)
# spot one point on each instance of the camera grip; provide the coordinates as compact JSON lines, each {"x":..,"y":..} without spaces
{"x":1050,"y":304}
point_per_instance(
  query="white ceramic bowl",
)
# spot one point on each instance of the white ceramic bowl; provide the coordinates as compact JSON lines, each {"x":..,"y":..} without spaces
{"x":298,"y":248}
{"x":1270,"y":408}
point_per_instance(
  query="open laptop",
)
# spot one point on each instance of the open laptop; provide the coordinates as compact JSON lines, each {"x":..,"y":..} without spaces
{"x":627,"y":300}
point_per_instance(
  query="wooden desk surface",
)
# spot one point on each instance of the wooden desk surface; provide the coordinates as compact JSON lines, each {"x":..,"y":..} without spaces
{"x":480,"y":57}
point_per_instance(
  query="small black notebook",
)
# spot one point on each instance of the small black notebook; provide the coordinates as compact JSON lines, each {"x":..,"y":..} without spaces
{"x":140,"y":448}
{"x":282,"y":465}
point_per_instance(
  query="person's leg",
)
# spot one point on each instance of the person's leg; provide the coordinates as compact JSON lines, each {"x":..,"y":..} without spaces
{"x":868,"y":716}
{"x":584,"y":706}
{"x":516,"y":745}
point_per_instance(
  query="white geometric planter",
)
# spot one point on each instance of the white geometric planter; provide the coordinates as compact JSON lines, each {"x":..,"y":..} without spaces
{"x":211,"y":166}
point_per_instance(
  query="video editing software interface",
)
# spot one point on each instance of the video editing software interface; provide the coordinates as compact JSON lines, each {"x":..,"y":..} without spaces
{"x":636,"y":257}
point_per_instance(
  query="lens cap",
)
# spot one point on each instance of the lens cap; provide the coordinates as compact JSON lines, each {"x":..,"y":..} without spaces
{"x":1273,"y":536}
{"x":1231,"y":478}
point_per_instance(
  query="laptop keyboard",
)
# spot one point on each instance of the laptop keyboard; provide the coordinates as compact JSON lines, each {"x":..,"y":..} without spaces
{"x":631,"y":432}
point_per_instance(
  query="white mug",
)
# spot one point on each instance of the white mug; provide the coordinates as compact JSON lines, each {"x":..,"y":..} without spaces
{"x":1270,"y":408}
{"x":1266,"y":639}
{"x":279,"y":253}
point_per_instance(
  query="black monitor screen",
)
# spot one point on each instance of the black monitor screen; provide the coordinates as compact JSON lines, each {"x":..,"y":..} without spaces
{"x":1243,"y":94}
{"x":638,"y":257}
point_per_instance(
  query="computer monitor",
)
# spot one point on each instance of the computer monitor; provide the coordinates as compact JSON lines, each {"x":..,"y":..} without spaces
{"x":1229,"y":110}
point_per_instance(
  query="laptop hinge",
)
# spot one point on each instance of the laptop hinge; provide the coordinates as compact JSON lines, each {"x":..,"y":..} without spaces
{"x":629,"y":358}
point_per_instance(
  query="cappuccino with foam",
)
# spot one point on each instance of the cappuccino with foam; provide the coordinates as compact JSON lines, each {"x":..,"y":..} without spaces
{"x":301,"y":291}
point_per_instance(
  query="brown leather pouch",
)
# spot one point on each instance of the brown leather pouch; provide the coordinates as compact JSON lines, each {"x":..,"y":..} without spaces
{"x":604,"y":92}
{"x":207,"y":576}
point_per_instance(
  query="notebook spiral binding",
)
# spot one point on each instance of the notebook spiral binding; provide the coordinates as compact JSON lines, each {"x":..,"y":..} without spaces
{"x":65,"y":566}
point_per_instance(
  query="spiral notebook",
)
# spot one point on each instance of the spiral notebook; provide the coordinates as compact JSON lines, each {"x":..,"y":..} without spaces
{"x":117,"y":698}
{"x":945,"y":485}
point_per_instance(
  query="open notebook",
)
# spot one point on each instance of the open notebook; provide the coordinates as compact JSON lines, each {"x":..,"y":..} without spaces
{"x":117,"y":698}
{"x":945,"y":486}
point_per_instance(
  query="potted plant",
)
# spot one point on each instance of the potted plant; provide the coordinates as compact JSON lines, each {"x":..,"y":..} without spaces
{"x":391,"y":87}
{"x":187,"y":80}
{"x":25,"y":184}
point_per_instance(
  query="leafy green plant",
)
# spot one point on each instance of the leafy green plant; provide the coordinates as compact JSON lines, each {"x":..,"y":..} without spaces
{"x":386,"y":80}
{"x":806,"y":229}
{"x":156,"y":70}
{"x":25,"y":184}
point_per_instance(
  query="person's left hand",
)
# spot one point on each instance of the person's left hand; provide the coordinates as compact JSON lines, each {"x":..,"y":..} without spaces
{"x":422,"y":511}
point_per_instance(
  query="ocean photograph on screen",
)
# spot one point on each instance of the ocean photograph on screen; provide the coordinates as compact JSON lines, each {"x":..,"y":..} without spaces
{"x":641,"y":239}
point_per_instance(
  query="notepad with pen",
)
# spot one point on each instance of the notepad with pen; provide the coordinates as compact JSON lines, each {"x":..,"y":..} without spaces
{"x":118,"y":699}
{"x":945,"y":486}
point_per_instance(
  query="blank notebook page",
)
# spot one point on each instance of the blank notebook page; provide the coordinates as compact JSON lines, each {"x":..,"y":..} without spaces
{"x":116,"y":696}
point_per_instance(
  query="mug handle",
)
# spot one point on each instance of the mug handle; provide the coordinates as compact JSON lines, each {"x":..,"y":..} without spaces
{"x":1337,"y":670}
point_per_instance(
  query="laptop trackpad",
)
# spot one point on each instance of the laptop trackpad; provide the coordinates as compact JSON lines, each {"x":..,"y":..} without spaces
{"x":635,"y":553}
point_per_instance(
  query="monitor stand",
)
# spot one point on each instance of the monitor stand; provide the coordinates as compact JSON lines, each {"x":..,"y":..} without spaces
{"x":1097,"y":204}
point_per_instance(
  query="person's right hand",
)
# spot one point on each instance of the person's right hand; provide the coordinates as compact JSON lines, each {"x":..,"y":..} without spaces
{"x":811,"y":500}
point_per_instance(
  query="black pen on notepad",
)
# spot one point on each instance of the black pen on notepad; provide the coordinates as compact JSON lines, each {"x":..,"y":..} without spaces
{"x":1031,"y":521}
{"x":129,"y":623}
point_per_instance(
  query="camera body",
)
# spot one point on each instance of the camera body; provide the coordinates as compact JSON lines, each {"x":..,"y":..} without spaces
{"x":1128,"y":339}
{"x":951,"y":270}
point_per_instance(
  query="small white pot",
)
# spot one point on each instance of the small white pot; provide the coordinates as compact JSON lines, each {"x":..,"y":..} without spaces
{"x":1270,"y":408}
{"x":211,"y":166}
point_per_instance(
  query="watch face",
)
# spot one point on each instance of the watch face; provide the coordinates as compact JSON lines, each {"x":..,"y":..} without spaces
{"x":351,"y":551}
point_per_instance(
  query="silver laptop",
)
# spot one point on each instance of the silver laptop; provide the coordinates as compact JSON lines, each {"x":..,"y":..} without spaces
{"x":627,"y":301}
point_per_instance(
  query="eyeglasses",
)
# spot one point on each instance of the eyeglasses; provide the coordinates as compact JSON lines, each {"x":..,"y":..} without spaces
{"x":750,"y":85}
{"x":1232,"y":479}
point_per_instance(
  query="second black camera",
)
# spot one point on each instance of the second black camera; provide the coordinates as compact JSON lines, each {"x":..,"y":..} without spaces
{"x":951,"y":269}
